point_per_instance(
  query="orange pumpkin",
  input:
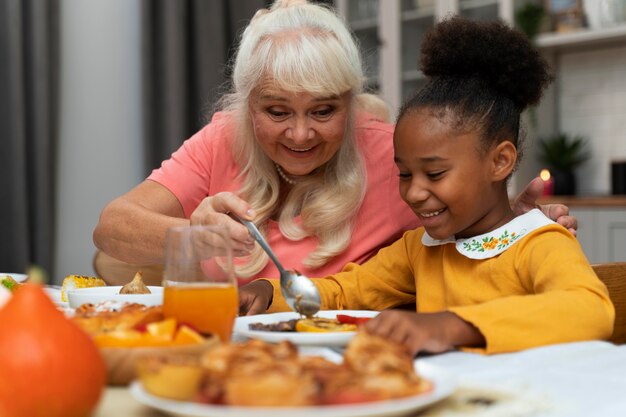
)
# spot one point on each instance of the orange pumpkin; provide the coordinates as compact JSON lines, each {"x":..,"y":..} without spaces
{"x":48,"y":365}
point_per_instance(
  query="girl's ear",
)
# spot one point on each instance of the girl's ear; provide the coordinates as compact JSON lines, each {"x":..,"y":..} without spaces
{"x":503,"y":158}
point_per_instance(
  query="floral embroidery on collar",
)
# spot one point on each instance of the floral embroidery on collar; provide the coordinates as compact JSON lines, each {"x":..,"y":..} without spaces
{"x":497,"y":241}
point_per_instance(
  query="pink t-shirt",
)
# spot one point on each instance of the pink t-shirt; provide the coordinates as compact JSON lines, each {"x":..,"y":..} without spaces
{"x":204,"y":166}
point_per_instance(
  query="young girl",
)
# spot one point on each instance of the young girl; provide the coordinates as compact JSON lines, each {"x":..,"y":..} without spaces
{"x":480,"y":276}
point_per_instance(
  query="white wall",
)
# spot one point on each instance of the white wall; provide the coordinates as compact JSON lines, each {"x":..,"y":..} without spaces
{"x":592,"y":102}
{"x":100,"y":121}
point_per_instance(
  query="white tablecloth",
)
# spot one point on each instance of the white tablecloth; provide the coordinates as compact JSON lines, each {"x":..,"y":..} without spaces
{"x":576,"y":379}
{"x":570,"y":380}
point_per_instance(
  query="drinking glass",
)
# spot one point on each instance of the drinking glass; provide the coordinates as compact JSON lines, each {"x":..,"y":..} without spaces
{"x":199,"y":283}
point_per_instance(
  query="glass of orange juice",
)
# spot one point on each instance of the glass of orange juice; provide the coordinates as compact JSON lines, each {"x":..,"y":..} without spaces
{"x":199,"y":283}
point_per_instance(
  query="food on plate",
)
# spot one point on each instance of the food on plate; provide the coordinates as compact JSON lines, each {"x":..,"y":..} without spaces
{"x":136,"y":286}
{"x":262,"y":374}
{"x":348,"y":319}
{"x":321,"y":325}
{"x":110,"y":316}
{"x":72,"y":282}
{"x":343,"y":323}
{"x":176,"y":377}
{"x":279,"y":326}
{"x":126,"y":332}
{"x":114,"y":324}
{"x":8,"y":282}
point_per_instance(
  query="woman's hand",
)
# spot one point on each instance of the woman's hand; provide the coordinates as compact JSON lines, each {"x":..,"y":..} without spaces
{"x":255,"y":297}
{"x":430,"y":332}
{"x":214,"y":210}
{"x":526,"y":201}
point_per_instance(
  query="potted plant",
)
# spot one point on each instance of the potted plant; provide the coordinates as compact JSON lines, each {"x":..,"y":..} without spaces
{"x":529,"y":19}
{"x":562,"y":154}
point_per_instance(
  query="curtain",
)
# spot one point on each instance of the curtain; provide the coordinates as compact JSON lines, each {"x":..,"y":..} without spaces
{"x":29,"y":41}
{"x":186,"y":47}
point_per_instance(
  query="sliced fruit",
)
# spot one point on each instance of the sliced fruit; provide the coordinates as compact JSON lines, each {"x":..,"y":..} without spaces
{"x":318,"y":324}
{"x":119,"y":338}
{"x":187,"y":336}
{"x":163,"y":329}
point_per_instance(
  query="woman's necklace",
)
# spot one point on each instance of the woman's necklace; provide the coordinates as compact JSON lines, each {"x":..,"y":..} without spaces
{"x":284,"y":176}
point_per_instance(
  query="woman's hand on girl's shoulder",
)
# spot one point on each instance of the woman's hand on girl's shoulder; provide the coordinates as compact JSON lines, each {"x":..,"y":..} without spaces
{"x":527,"y":200}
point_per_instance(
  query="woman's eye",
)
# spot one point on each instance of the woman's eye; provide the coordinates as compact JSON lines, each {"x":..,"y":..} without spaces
{"x":404,"y":175}
{"x":277,"y":114}
{"x":324,"y":113}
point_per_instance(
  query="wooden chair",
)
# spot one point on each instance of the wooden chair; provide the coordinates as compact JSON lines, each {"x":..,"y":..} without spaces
{"x":614,"y":277}
{"x":116,"y":272}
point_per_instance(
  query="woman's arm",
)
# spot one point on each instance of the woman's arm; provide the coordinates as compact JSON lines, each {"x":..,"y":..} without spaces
{"x":132,"y":227}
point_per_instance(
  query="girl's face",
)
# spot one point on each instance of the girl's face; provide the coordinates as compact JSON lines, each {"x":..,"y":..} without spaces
{"x":446,"y":179}
{"x":300,"y":132}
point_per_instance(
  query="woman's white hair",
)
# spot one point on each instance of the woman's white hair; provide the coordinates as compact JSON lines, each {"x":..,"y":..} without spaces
{"x":298,"y":47}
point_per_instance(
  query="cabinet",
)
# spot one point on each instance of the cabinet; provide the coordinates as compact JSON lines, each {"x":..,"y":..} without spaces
{"x":390,"y":33}
{"x":601,"y":225}
{"x":602,"y":233}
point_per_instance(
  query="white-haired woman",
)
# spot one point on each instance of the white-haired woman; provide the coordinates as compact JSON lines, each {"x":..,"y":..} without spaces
{"x":292,"y":149}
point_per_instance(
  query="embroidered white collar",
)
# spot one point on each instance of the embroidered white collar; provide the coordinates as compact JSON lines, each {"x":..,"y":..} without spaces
{"x":497,"y":241}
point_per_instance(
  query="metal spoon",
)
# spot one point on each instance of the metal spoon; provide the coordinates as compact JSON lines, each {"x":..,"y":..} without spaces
{"x":299,"y":291}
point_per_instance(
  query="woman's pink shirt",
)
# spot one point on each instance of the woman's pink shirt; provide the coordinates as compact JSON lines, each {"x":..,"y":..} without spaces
{"x":204,"y":166}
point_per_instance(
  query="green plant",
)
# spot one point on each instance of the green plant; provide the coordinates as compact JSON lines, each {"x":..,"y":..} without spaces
{"x":561,"y":151}
{"x":528,"y":19}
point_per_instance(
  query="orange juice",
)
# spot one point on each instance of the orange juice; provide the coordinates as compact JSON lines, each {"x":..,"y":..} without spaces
{"x":210,"y":308}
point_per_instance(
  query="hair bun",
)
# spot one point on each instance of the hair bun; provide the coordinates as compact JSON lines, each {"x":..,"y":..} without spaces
{"x":459,"y":47}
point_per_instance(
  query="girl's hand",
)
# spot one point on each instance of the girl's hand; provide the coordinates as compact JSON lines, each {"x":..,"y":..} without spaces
{"x":526,"y":201}
{"x":431,"y":332}
{"x":214,"y":210}
{"x":255,"y":297}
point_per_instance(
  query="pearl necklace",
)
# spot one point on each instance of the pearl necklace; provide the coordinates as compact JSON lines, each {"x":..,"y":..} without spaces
{"x":284,"y":176}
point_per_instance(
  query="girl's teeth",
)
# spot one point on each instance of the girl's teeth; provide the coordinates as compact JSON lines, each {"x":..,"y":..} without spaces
{"x":300,"y":150}
{"x":434,"y":213}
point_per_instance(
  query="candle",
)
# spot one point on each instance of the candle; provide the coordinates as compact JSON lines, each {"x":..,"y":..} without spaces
{"x":548,"y":182}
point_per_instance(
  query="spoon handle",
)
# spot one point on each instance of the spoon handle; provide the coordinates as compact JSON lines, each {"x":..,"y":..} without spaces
{"x":260,"y":239}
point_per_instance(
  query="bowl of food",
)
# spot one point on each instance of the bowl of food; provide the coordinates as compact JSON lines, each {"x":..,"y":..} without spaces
{"x":96,"y":295}
{"x":133,"y":292}
{"x":128,"y":332}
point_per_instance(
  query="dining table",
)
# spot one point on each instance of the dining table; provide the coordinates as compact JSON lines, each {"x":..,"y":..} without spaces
{"x":570,"y":380}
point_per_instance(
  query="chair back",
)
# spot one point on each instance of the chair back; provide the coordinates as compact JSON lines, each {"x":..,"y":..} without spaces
{"x":613,"y":275}
{"x":116,"y":272}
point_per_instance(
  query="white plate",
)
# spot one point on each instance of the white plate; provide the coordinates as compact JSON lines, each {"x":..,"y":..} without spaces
{"x":55,"y":295}
{"x":443,"y":386}
{"x":95,"y":295}
{"x":17,"y":277}
{"x":299,"y":338}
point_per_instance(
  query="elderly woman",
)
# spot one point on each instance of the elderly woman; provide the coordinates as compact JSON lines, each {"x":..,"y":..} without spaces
{"x":291,"y":150}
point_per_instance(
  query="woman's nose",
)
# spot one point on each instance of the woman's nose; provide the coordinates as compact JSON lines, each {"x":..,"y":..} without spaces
{"x":300,"y":130}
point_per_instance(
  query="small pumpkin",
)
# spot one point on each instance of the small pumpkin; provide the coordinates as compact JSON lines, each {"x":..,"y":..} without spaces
{"x":48,"y":365}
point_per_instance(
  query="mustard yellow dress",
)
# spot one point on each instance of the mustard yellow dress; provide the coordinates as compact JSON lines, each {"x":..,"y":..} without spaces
{"x":522,"y":285}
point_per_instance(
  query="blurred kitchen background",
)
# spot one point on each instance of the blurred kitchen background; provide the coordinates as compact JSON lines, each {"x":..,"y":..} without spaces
{"x":95,"y":93}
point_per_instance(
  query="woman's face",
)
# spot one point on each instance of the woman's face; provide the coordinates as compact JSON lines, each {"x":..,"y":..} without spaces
{"x":444,"y":176}
{"x":300,"y":132}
